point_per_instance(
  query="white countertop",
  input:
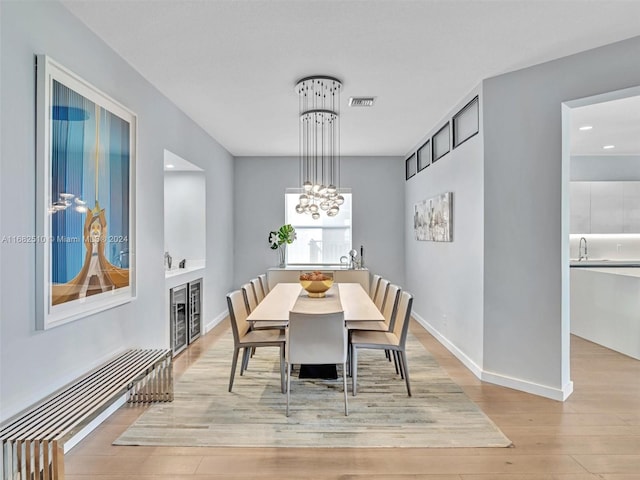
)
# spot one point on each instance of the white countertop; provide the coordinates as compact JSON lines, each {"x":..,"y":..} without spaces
{"x":627,"y":271}
{"x":178,"y":276}
{"x":603,"y":262}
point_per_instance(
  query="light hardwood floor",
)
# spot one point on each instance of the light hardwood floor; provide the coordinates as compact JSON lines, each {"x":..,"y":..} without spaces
{"x":595,"y":434}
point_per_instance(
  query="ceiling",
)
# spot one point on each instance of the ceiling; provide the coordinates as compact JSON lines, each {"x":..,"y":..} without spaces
{"x":614,"y":124}
{"x":231,"y":65}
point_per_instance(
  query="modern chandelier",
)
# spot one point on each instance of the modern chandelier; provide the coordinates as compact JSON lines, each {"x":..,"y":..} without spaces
{"x":319,"y":106}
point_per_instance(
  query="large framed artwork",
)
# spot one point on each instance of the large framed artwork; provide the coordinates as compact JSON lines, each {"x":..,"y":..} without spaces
{"x":432,"y":218}
{"x":85,"y":223}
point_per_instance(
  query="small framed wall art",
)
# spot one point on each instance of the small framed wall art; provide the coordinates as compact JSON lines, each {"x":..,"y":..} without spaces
{"x":432,"y":218}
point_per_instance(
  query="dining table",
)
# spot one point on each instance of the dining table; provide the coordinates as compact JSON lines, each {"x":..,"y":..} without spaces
{"x":349,"y":298}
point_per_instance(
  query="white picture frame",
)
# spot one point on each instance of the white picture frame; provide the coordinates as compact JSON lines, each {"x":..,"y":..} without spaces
{"x":85,"y":220}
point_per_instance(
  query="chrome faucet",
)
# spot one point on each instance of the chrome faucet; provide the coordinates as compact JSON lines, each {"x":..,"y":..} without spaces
{"x":580,"y":255}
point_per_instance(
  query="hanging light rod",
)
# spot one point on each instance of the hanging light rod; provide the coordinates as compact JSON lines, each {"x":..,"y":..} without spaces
{"x":319,"y":109}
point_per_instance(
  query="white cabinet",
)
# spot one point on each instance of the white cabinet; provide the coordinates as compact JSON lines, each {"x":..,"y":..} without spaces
{"x":580,"y":219}
{"x":605,"y":207}
{"x":292,"y":275}
{"x":631,"y":210}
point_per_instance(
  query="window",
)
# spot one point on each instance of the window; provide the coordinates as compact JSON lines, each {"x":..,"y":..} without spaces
{"x":321,"y":241}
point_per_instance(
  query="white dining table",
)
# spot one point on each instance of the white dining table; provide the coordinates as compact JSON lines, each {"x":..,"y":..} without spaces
{"x":350,"y":298}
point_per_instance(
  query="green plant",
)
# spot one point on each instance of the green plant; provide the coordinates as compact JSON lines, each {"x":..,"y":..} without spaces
{"x":285,"y":234}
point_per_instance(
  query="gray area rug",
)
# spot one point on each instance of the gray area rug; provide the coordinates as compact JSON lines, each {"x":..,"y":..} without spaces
{"x":204,"y":413}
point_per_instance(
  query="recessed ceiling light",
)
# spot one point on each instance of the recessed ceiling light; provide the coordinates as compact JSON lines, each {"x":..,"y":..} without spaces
{"x":585,"y":127}
{"x":168,"y":165}
{"x":608,"y":147}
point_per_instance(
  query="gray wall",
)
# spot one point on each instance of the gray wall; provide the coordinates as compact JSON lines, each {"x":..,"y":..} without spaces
{"x":446,"y":277}
{"x":260,"y":184}
{"x":526,"y":334}
{"x":185,"y":216}
{"x":33,"y":363}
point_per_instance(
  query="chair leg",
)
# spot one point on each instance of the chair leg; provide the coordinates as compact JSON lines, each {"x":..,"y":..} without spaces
{"x":236,"y":351}
{"x":398,"y":363}
{"x":395,"y":362}
{"x":344,"y":382}
{"x":282,"y":384}
{"x":354,"y":369}
{"x":245,"y":361}
{"x":349,"y":353}
{"x":288,"y":385}
{"x":405,"y":368}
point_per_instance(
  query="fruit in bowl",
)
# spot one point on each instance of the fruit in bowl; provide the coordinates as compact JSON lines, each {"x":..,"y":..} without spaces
{"x":316,"y":283}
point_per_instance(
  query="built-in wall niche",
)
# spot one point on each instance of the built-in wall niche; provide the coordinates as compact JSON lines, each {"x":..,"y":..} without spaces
{"x":605,"y":207}
{"x":184,"y":211}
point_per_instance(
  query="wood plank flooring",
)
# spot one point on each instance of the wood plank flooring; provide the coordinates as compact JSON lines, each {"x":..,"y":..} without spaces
{"x":595,"y":434}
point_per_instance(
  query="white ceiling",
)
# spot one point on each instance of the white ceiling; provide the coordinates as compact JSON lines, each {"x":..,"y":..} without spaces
{"x":615,"y":123}
{"x":231,"y":65}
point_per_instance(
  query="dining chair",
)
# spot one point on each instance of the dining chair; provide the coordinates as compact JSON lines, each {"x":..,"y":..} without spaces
{"x":394,"y":340}
{"x":251,"y":302}
{"x":374,"y":286}
{"x":264,"y":282}
{"x":257,"y":289}
{"x":388,"y":312}
{"x":317,"y":339}
{"x":249,"y":294}
{"x":380,"y":293}
{"x":244,"y":337}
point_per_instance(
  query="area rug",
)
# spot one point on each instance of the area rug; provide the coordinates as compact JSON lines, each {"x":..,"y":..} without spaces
{"x":204,"y":413}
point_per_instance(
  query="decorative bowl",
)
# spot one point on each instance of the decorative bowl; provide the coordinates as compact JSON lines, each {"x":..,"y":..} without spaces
{"x":316,"y":284}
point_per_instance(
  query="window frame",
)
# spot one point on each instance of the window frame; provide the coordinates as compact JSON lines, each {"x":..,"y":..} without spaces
{"x":289,"y":220}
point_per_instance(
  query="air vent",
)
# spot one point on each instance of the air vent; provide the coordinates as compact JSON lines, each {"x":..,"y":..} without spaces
{"x":361,"y":101}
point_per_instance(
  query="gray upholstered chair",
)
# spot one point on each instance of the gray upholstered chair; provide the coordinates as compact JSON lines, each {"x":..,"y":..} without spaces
{"x":381,"y":293}
{"x":374,"y":286}
{"x":244,"y":337}
{"x":389,"y":312}
{"x":257,"y":289}
{"x":265,"y":283}
{"x":249,"y":295}
{"x":317,"y":339}
{"x":251,"y":301}
{"x":394,"y":340}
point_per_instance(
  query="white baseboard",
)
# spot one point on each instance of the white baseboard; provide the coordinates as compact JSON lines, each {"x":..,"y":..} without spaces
{"x":218,"y":319}
{"x":529,"y":387}
{"x":493,"y":377}
{"x":459,"y":354}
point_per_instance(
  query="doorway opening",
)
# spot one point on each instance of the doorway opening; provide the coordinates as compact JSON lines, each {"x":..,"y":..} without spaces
{"x":601,"y":220}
